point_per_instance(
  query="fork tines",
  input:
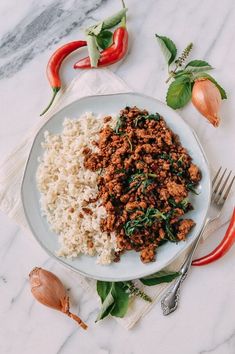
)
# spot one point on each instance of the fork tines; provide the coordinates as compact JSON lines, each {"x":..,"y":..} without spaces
{"x":222,"y":184}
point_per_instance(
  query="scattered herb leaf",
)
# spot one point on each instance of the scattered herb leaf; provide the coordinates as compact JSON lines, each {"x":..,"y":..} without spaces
{"x":138,"y":119}
{"x":104,"y":39}
{"x":179,"y":93}
{"x":197,"y":66}
{"x":160,"y":277}
{"x":121,"y":300}
{"x":115,"y":19}
{"x":107,"y":302}
{"x":119,"y":125}
{"x":93,"y":51}
{"x":191,"y":188}
{"x":145,"y":220}
{"x":168,"y":48}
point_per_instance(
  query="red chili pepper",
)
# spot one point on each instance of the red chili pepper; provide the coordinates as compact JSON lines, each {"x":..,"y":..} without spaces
{"x":110,"y":55}
{"x":54,"y":65}
{"x":222,"y":248}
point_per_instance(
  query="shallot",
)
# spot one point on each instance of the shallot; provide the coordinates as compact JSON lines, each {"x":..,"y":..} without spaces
{"x":207,"y":100}
{"x":49,"y":291}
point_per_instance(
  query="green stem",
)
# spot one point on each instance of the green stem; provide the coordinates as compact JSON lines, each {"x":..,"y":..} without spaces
{"x":137,"y":292}
{"x":171,"y":75}
{"x":123,"y":4}
{"x":55,"y":91}
{"x":123,"y":20}
{"x":180,"y":61}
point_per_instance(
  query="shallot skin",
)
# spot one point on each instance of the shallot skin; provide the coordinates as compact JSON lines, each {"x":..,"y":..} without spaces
{"x":47,"y":288}
{"x":207,"y":100}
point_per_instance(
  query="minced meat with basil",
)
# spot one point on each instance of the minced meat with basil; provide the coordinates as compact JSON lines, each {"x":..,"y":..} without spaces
{"x":145,"y":179}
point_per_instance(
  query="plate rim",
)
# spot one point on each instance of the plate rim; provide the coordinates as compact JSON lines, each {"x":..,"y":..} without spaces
{"x":61,"y":260}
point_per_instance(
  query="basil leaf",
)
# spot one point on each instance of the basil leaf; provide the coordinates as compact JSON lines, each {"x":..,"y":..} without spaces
{"x":179,"y":93}
{"x":114,"y":299}
{"x":121,"y":298}
{"x":109,"y":22}
{"x":168,"y":48}
{"x":95,"y":30}
{"x":93,"y":51}
{"x":197,"y":66}
{"x":104,"y":39}
{"x":103,"y":288}
{"x":107,"y":304}
{"x":114,"y":20}
{"x":207,"y":76}
{"x":160,"y":277}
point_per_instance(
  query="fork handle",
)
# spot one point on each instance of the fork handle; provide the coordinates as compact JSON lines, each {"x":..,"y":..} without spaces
{"x":170,"y":300}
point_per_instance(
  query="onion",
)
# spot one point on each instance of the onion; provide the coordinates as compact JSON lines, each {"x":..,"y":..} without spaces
{"x":49,"y":291}
{"x":207,"y":100}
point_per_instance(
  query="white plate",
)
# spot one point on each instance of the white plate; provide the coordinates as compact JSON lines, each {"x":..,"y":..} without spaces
{"x":130,"y":266}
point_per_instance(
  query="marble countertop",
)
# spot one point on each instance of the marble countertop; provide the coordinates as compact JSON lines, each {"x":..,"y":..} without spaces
{"x":29,"y":32}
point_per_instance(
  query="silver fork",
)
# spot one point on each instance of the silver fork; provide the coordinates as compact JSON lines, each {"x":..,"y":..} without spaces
{"x":220,"y":190}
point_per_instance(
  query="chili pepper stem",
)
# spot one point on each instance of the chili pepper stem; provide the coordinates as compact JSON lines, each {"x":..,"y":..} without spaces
{"x":123,"y":22}
{"x":55,"y":91}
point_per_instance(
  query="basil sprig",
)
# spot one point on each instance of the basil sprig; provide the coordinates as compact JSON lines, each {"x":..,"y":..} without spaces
{"x":98,"y":36}
{"x":115,"y":296}
{"x":183,"y":74}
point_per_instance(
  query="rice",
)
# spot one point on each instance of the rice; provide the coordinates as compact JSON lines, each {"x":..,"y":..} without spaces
{"x":65,"y":186}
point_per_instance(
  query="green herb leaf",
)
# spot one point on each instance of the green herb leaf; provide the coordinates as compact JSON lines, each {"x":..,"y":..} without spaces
{"x":114,"y":299}
{"x":119,"y":125}
{"x":179,"y":93}
{"x":104,"y":39}
{"x":197,"y":66}
{"x":114,"y":19}
{"x":121,"y":300}
{"x":103,"y":288}
{"x":93,"y":51}
{"x":207,"y":76}
{"x":170,"y":234}
{"x":138,"y":119}
{"x":159,"y":277}
{"x":109,"y":22}
{"x":191,"y":187}
{"x":182,"y":73}
{"x":168,"y":48}
{"x":145,"y":220}
{"x":94,"y":30}
{"x":108,"y":303}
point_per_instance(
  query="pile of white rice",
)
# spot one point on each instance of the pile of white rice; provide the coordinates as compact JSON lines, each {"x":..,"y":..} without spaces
{"x":65,"y":186}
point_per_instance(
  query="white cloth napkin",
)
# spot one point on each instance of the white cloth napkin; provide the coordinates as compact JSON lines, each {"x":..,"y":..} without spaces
{"x":91,"y":82}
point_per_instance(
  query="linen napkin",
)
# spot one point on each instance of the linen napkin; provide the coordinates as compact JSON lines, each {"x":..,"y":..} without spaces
{"x":91,"y":82}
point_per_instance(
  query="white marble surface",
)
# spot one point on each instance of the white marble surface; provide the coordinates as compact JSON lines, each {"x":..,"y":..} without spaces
{"x":29,"y":32}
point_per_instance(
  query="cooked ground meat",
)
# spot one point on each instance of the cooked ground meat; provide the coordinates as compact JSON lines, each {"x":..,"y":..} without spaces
{"x":145,"y":177}
{"x":184,"y":228}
